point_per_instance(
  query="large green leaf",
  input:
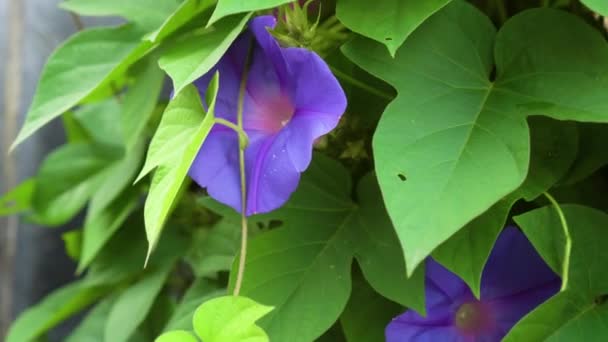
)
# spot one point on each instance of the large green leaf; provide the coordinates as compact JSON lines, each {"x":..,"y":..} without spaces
{"x":191,"y":58}
{"x":303,"y":268}
{"x":592,"y":153}
{"x":138,"y":11}
{"x":227,"y":7}
{"x":230,"y":319}
{"x":52,"y":310}
{"x":599,"y":6}
{"x":553,"y":150}
{"x":133,"y":305}
{"x":84,"y":63}
{"x":215,"y":250}
{"x":67,"y":179}
{"x":18,"y":199}
{"x":454,"y":135}
{"x":390,"y":22}
{"x":181,"y":133}
{"x":569,"y":315}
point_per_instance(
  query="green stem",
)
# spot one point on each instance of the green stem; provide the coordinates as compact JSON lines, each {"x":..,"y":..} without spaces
{"x":244,"y":231}
{"x":243,"y":138}
{"x":345,"y":77}
{"x":568,"y":245}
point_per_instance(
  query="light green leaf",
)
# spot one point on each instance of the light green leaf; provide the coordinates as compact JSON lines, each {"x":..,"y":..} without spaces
{"x":99,"y":229}
{"x":227,"y":7}
{"x":187,"y":11}
{"x":367,"y":314}
{"x":92,"y":327}
{"x":133,"y":305}
{"x":101,"y":122}
{"x":453,"y":128}
{"x":74,"y":132}
{"x":67,"y":179}
{"x":139,"y":11}
{"x":572,"y":312}
{"x":85,"y":62}
{"x":52,"y":310}
{"x":390,"y":22}
{"x":18,"y":199}
{"x":180,"y":135}
{"x":191,"y":58}
{"x":303,"y":267}
{"x":177,"y":336}
{"x":199,"y":292}
{"x":72,"y":243}
{"x":230,"y":319}
{"x":554,"y":148}
{"x":599,"y":6}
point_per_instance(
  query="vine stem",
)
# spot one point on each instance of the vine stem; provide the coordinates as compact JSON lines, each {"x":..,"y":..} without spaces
{"x":242,"y":145}
{"x":568,"y":245}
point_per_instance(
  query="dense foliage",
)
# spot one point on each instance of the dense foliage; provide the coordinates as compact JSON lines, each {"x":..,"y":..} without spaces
{"x":463,"y":117}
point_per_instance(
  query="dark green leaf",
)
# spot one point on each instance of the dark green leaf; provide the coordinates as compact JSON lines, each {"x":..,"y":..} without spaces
{"x":199,"y":292}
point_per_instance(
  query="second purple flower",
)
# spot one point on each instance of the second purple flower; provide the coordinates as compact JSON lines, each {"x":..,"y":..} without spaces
{"x":291,"y":98}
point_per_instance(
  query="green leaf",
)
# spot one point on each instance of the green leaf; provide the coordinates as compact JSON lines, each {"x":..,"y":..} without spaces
{"x":389,"y":22}
{"x":87,"y":61}
{"x":72,"y":242}
{"x":138,"y":11}
{"x":101,"y":122}
{"x":554,"y":148}
{"x":199,"y":292}
{"x":572,"y":312}
{"x":227,"y":7}
{"x":99,"y":229}
{"x":67,"y":179}
{"x":599,"y":6}
{"x":230,"y":319}
{"x":52,"y":310}
{"x":453,"y":128}
{"x":303,"y":268}
{"x":177,"y":336}
{"x":74,"y":132}
{"x":18,"y":199}
{"x":191,"y":58}
{"x":133,"y":305}
{"x":92,"y":327}
{"x":181,"y":132}
{"x":187,"y":11}
{"x":367,"y":314}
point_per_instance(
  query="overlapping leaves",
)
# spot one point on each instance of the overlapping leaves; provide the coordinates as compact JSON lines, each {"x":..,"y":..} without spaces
{"x":457,"y":132}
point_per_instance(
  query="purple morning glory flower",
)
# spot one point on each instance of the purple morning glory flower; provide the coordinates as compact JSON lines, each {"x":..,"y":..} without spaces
{"x":291,"y":99}
{"x":514,"y":281}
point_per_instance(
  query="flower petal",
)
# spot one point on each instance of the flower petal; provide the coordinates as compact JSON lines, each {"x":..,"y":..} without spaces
{"x":259,"y":27}
{"x":216,"y":167}
{"x":317,"y":89}
{"x":304,"y":128}
{"x":514,"y":267}
{"x":271,"y":176}
{"x":398,"y":331}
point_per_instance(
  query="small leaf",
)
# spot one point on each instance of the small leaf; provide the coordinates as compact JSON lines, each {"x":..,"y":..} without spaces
{"x":133,"y":305}
{"x":389,"y":22}
{"x":199,"y":292}
{"x":180,"y":135}
{"x":68,"y":177}
{"x":72,"y":242}
{"x":230,"y":319}
{"x":187,"y":11}
{"x":84,"y":63}
{"x":191,"y":58}
{"x":18,"y":199}
{"x":227,"y":7}
{"x":52,"y":310}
